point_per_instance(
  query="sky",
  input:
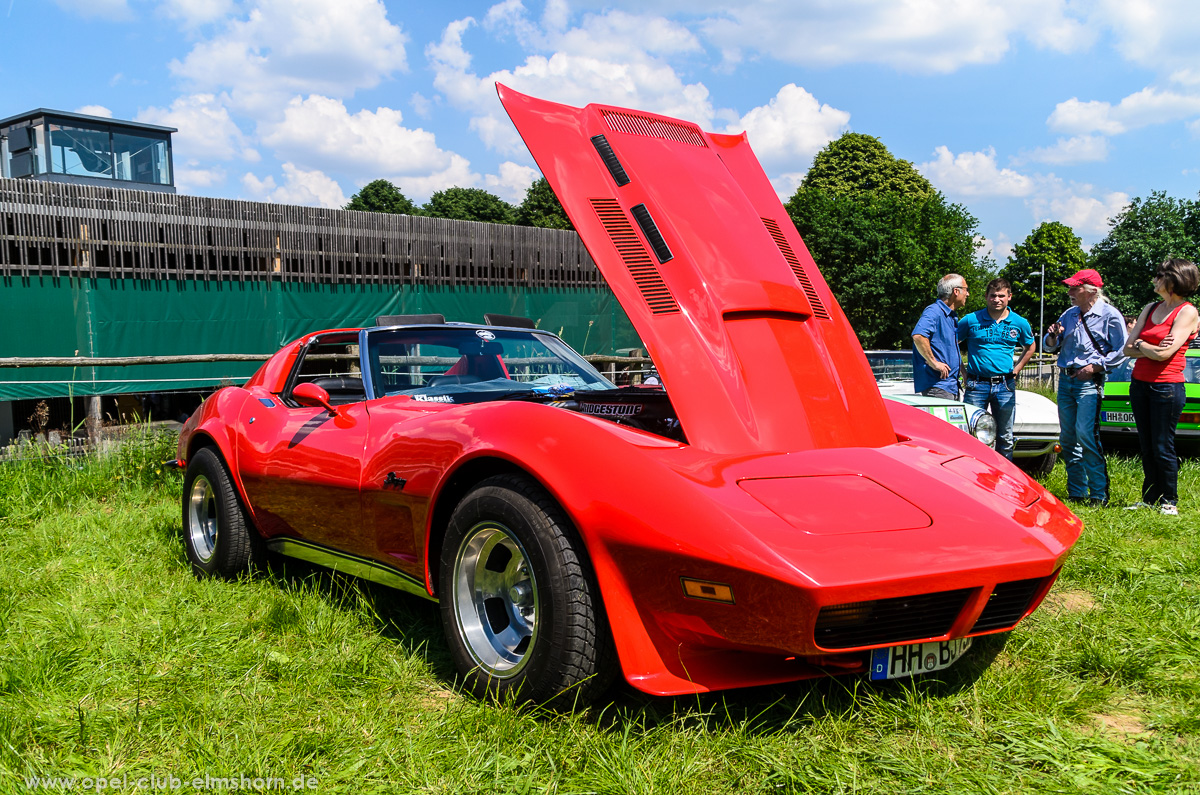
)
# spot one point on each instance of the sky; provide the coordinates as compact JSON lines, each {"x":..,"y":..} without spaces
{"x":1023,"y":111}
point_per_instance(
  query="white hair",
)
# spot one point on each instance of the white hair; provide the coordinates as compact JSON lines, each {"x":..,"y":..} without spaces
{"x":946,"y":285}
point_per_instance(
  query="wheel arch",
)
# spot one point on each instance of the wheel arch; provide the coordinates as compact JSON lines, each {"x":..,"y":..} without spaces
{"x":455,"y":487}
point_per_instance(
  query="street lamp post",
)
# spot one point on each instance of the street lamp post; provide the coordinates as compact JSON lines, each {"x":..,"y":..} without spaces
{"x":1041,"y":310}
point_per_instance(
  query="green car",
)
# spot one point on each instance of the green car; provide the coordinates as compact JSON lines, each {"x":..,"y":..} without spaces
{"x":1116,"y":415}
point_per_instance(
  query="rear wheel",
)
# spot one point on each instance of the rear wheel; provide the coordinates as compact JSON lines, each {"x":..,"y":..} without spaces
{"x":217,"y":536}
{"x":519,"y":603}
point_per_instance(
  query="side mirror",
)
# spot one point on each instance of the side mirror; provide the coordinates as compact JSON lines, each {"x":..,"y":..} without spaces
{"x":309,"y":394}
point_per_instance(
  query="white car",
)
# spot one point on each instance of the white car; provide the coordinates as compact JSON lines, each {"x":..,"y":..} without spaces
{"x":1035,"y":427}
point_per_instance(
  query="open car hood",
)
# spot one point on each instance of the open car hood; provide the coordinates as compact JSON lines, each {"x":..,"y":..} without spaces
{"x":689,"y":234}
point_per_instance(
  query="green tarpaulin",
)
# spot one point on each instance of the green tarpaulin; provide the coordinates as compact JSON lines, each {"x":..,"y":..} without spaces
{"x":46,"y":316}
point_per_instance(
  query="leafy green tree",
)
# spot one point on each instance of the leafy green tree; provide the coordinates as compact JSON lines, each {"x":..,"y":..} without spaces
{"x":542,"y":208}
{"x":382,"y":196}
{"x":1147,"y":232}
{"x":856,"y":165}
{"x":1052,"y":248}
{"x":469,"y":204}
{"x":883,"y":237}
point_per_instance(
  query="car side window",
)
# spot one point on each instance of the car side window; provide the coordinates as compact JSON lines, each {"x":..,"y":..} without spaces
{"x":332,"y":363}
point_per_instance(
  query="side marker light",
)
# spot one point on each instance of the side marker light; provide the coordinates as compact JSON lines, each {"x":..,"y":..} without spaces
{"x":710,"y":591}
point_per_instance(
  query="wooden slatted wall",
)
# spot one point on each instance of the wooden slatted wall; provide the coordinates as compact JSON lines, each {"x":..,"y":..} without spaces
{"x":56,"y":229}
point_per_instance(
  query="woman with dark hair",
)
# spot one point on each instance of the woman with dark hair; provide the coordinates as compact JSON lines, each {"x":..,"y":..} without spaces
{"x":1159,"y":342}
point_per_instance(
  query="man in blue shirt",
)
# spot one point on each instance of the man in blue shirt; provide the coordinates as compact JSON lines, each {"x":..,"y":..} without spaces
{"x":936,"y":358}
{"x":1088,"y":337}
{"x":991,"y":336}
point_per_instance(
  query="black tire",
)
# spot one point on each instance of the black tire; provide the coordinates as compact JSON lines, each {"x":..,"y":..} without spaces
{"x":1038,"y":466}
{"x":218,"y":538}
{"x":519,"y":603}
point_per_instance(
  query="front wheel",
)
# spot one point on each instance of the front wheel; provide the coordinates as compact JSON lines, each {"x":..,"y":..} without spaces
{"x":217,"y":536}
{"x":519,"y":603}
{"x":1038,"y":466}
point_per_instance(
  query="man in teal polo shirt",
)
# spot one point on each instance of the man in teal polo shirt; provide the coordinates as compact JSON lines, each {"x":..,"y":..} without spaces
{"x":991,"y":336}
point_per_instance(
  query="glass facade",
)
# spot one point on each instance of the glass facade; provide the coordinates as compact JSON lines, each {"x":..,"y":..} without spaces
{"x":80,"y":149}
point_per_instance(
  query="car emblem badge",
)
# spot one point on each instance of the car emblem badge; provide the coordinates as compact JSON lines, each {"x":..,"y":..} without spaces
{"x":484,"y":334}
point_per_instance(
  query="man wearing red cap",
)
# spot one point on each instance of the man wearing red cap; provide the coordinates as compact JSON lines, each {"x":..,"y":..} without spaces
{"x":1088,"y":337}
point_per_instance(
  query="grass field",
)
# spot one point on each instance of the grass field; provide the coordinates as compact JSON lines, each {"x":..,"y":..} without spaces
{"x":117,"y":662}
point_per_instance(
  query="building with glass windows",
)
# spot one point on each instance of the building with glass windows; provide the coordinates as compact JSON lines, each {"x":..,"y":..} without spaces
{"x":90,"y":150}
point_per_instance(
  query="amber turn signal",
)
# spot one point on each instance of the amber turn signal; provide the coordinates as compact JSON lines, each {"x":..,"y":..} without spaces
{"x":712,"y":591}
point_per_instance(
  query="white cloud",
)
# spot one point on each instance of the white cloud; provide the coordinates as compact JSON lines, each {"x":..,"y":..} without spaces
{"x":1146,"y":107}
{"x":1066,"y":151}
{"x":512,"y":182}
{"x":193,"y":13}
{"x":279,"y":48}
{"x":1156,"y":34}
{"x":929,"y":36}
{"x":95,"y":110}
{"x":318,"y":132}
{"x":206,"y":129}
{"x":974,"y":174}
{"x":792,"y":127}
{"x":1079,"y":206}
{"x":299,"y":186}
{"x":786,"y":184}
{"x":609,"y":59}
{"x":192,"y":180}
{"x":999,"y":248}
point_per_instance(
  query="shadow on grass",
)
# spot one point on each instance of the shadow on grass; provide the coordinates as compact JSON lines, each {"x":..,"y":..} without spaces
{"x":414,"y":626}
{"x":772,"y":709}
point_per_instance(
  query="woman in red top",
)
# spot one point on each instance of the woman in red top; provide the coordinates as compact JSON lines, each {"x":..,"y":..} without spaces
{"x":1158,"y":341}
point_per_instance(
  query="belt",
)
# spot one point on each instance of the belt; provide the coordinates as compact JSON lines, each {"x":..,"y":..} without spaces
{"x":990,"y":379}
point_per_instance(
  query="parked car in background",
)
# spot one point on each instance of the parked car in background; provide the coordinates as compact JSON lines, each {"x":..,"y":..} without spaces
{"x":1116,"y":414}
{"x":1035,"y":428}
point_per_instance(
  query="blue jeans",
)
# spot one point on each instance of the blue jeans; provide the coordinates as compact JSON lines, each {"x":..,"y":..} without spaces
{"x":1079,"y":418}
{"x":1156,"y":409}
{"x":1001,"y":400}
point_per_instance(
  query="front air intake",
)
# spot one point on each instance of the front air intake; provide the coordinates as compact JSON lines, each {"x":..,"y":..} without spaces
{"x":1006,"y":605}
{"x":898,"y":620}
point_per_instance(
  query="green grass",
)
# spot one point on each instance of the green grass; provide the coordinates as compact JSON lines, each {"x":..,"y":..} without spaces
{"x":118,"y":662}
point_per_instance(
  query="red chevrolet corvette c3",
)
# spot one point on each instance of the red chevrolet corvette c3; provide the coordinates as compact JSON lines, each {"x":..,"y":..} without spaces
{"x":764,"y":516}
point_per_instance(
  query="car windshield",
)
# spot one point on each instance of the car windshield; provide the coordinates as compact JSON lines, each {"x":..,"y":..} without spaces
{"x":891,"y":365}
{"x":451,"y":364}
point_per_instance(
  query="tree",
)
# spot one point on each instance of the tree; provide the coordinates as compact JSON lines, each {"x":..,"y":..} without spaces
{"x":882,"y":237}
{"x":542,"y":208}
{"x":1141,"y":237}
{"x":469,"y":204}
{"x":856,"y":165}
{"x":1057,"y":251}
{"x":382,"y":196}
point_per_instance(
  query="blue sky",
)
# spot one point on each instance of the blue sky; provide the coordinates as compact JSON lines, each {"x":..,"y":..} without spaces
{"x":1022,"y":110}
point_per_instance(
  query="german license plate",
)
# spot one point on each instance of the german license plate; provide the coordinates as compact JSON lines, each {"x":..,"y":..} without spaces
{"x":1117,"y":416}
{"x":898,"y":662}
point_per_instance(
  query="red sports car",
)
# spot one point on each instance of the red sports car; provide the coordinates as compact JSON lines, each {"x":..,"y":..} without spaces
{"x":763,"y":517}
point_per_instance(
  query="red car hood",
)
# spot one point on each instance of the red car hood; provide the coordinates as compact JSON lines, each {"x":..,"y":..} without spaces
{"x":689,"y":234}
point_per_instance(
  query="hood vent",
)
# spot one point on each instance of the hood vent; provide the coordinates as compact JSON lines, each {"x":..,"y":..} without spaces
{"x":650,"y":230}
{"x":637,"y":124}
{"x":605,"y":150}
{"x":810,"y":292}
{"x":645,"y":274}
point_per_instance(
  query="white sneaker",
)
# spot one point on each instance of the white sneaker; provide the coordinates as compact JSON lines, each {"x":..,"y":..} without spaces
{"x":1137,"y":506}
{"x":1169,"y":510}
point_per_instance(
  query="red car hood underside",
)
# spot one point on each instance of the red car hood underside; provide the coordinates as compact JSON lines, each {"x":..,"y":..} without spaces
{"x":749,"y":341}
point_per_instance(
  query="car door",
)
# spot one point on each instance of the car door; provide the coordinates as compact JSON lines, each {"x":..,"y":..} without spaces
{"x":301,"y":466}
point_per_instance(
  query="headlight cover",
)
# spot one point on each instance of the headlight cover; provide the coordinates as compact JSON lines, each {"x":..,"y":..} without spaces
{"x":983,"y":427}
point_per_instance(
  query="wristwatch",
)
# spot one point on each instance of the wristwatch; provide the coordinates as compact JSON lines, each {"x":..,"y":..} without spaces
{"x":1137,"y":344}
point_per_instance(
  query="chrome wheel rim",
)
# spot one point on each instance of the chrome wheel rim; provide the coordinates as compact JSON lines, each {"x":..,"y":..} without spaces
{"x":202,"y":518}
{"x":495,"y":599}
